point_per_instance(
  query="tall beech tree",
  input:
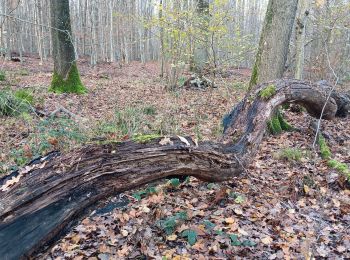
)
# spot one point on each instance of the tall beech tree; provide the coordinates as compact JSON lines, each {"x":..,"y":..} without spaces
{"x":301,"y":21}
{"x":201,"y":55}
{"x":66,"y":78}
{"x":274,"y":41}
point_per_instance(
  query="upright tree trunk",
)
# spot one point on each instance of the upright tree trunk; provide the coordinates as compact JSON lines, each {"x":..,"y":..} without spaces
{"x":161,"y":31}
{"x":301,"y":21}
{"x":111,"y":32}
{"x":66,"y":76}
{"x":274,"y":41}
{"x":201,"y":45}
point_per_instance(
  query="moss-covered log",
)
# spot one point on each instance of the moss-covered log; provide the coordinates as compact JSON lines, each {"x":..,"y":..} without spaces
{"x":40,"y":202}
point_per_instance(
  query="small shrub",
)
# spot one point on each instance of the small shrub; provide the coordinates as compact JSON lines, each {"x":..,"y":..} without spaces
{"x":169,"y":224}
{"x":144,"y":193}
{"x":191,"y":236}
{"x":128,"y":121}
{"x":290,"y":154}
{"x":175,"y":182}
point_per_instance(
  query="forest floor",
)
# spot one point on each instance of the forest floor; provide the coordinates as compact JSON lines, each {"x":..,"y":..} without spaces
{"x":287,"y":205}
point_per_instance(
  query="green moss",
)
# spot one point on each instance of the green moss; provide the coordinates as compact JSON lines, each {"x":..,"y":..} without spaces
{"x":278,"y":124}
{"x":324,"y":149}
{"x":139,"y":138}
{"x":268,"y":92}
{"x":71,"y":85}
{"x":274,"y":125}
{"x":255,"y":75}
{"x":290,"y":154}
{"x":341,"y":167}
{"x":254,"y":80}
{"x":284,"y":124}
{"x":269,"y":16}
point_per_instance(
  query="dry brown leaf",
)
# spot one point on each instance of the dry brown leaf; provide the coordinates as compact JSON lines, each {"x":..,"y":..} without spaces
{"x":267,"y":240}
{"x":165,"y":141}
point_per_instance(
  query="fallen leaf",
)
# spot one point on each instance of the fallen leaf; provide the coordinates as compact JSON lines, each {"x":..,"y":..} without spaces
{"x":229,"y":220}
{"x":267,"y":240}
{"x":165,"y":141}
{"x":124,"y":232}
{"x":171,"y":237}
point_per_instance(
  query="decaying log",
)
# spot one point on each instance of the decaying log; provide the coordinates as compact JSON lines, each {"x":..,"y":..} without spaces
{"x":43,"y":200}
{"x":342,"y":99}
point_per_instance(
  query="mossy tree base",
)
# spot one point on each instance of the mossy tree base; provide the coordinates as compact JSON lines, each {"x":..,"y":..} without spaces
{"x":72,"y":84}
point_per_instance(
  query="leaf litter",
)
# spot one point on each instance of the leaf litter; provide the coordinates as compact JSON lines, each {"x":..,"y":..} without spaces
{"x":276,"y":210}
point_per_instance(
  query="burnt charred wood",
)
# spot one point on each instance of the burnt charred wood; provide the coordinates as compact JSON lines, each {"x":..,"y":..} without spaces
{"x":43,"y":200}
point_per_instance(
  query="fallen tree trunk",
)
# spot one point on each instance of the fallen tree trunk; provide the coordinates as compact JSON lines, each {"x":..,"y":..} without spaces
{"x":40,"y":202}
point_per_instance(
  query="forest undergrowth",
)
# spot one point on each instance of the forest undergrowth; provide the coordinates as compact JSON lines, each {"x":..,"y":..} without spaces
{"x":290,"y":203}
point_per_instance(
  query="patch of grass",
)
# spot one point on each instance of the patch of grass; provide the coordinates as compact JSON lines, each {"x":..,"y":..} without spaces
{"x":25,"y":95}
{"x":150,"y":110}
{"x":290,"y":154}
{"x":140,"y":138}
{"x":49,"y":134}
{"x":240,"y":86}
{"x":267,"y":92}
{"x":23,"y":72}
{"x":11,"y":105}
{"x":181,"y":81}
{"x":2,"y":75}
{"x":128,"y":120}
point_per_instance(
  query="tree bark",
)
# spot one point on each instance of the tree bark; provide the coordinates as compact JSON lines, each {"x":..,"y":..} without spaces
{"x":300,"y":32}
{"x":66,"y":76}
{"x":274,"y":41}
{"x":43,"y":200}
{"x":201,"y":55}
